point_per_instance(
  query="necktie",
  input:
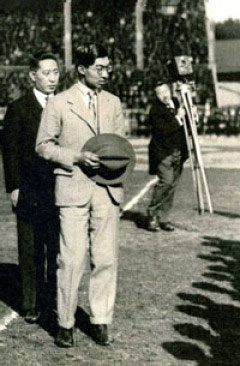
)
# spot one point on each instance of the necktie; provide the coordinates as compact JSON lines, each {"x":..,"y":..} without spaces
{"x":46,"y":99}
{"x":92,"y":106}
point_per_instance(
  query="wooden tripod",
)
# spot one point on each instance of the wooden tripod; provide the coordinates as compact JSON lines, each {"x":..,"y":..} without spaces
{"x":196,"y":161}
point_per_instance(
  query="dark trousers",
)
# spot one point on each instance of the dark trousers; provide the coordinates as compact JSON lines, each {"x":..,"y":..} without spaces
{"x":169,"y":171}
{"x":34,"y":240}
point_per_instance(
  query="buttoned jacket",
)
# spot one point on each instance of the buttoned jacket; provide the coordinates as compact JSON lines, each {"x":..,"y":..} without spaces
{"x":66,"y":125}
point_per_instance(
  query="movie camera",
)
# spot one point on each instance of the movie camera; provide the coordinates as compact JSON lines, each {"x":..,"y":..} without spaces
{"x":180,"y":68}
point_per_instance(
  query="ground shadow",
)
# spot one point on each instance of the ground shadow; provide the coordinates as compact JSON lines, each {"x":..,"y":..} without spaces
{"x":217,"y":342}
{"x":10,"y":288}
{"x":10,"y":294}
{"x":83,"y":321}
{"x":231,"y":215}
{"x":48,"y":321}
{"x":141,"y":221}
{"x":138,"y":218}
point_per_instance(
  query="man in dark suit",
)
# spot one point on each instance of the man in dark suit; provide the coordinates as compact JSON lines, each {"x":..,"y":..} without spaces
{"x":29,"y":180}
{"x":167,"y":153}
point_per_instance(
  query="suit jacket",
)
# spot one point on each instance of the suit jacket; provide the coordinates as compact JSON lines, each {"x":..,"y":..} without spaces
{"x":65,"y":127}
{"x":167,"y":134}
{"x":23,"y":169}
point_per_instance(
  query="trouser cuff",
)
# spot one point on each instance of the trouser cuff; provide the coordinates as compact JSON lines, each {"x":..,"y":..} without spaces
{"x":67,"y":325}
{"x":101,"y":320}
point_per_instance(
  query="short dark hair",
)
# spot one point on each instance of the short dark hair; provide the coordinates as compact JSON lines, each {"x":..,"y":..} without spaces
{"x":40,"y":56}
{"x":88,"y":53}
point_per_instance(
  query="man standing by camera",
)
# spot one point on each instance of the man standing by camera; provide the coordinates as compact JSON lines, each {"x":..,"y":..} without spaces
{"x":167,"y":153}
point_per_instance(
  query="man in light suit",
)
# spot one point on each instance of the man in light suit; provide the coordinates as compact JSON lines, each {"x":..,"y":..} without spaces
{"x":89,"y":212}
{"x":30,"y":181}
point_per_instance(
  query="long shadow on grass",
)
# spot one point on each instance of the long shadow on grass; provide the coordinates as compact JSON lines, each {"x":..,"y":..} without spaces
{"x":10,"y":292}
{"x":49,"y":322}
{"x":83,"y":321}
{"x":137,"y":217}
{"x":221,"y":331}
{"x":231,"y":215}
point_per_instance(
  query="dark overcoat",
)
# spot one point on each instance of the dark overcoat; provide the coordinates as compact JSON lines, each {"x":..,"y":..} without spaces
{"x":167,"y":134}
{"x":23,"y":169}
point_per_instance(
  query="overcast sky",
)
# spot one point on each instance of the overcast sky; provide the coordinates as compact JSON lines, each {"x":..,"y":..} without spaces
{"x":220,"y":10}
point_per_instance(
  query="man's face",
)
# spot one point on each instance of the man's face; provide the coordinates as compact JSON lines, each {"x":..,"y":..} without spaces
{"x":46,"y":77}
{"x":163,"y":93}
{"x":96,"y":75}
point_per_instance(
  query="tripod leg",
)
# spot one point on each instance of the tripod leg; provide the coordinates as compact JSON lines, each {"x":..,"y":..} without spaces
{"x":188,"y":105}
{"x":199,"y":191}
{"x":189,"y":148}
{"x":193,"y":161}
{"x":206,"y":187}
{"x":195,"y":171}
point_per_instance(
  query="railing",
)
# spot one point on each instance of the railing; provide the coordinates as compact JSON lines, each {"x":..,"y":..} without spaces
{"x":136,"y":121}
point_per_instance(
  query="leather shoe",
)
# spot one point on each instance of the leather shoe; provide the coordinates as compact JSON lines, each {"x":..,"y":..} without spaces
{"x":32,"y":316}
{"x":153,"y":224}
{"x":166,"y":226}
{"x":100,"y":334}
{"x":64,"y":338}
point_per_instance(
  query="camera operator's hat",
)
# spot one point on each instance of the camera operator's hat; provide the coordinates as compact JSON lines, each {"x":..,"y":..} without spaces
{"x":117,"y":158}
{"x":162,"y":81}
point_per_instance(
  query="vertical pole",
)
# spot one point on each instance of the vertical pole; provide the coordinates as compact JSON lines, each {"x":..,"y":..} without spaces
{"x":210,"y":30}
{"x":68,"y":34}
{"x":139,"y":34}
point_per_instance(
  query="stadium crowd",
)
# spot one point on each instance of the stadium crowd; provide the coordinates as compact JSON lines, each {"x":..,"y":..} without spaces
{"x":22,"y":32}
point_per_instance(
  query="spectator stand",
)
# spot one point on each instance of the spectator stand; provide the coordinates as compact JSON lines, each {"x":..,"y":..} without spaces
{"x":23,"y":31}
{"x":136,"y":104}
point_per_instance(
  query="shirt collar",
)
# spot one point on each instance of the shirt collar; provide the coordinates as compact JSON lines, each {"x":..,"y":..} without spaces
{"x":85,"y":90}
{"x":170,"y":104}
{"x":41,"y":97}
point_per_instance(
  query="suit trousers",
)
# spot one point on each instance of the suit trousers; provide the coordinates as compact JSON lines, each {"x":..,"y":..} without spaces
{"x":33,"y":241}
{"x":169,"y":171}
{"x":92,"y":227}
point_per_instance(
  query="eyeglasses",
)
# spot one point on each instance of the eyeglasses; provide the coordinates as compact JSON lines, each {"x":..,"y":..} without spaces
{"x":100,"y":69}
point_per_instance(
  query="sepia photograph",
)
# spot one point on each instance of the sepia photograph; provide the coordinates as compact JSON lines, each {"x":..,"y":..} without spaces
{"x":120,"y":183}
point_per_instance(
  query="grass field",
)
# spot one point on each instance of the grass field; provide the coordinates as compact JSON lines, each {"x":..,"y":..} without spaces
{"x":178,"y":294}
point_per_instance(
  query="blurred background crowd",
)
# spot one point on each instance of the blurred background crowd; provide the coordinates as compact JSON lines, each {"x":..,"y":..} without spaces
{"x":28,"y":25}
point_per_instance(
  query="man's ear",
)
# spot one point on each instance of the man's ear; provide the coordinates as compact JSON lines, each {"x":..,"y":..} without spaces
{"x":81,"y":70}
{"x":32,"y":75}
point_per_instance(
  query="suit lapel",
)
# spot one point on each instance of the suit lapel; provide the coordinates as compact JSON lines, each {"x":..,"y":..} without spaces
{"x":36,"y":108}
{"x":79,"y":108}
{"x":33,"y":112}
